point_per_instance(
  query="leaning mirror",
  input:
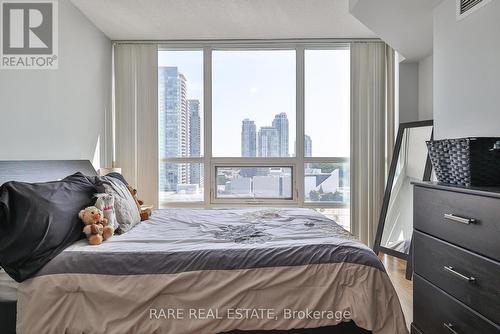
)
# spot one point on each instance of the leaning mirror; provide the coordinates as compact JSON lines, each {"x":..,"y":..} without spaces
{"x":410,"y":163}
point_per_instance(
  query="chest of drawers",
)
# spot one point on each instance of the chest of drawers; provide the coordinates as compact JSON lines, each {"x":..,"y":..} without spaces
{"x":456,"y":259}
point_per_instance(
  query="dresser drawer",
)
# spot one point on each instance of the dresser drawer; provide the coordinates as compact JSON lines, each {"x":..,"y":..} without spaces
{"x":444,"y":214}
{"x":448,"y":267}
{"x":435,"y":312}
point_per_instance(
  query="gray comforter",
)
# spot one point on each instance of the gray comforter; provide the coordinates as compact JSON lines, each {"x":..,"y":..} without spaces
{"x":218,"y":259}
{"x":175,"y":241}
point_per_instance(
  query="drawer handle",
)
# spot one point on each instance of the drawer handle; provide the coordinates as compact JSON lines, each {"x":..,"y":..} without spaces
{"x":459,"y":219}
{"x":449,"y":326}
{"x":460,"y":275}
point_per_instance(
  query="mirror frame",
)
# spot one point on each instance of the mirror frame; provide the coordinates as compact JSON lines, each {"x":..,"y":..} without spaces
{"x":377,"y":248}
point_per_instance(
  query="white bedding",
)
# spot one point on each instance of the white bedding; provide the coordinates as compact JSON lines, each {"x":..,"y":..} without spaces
{"x":218,"y":260}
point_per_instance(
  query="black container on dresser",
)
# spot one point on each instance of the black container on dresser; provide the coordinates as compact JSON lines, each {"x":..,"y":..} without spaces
{"x":456,"y":255}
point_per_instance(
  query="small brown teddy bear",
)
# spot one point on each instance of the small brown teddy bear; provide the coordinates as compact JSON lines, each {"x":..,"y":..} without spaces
{"x":96,"y":226}
{"x":144,"y":212}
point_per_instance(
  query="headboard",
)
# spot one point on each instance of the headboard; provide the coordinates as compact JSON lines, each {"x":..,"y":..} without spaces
{"x":42,"y":170}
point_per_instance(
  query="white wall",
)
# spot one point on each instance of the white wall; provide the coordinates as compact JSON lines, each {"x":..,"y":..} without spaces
{"x":425,"y":85}
{"x":60,"y":114}
{"x":415,"y":90}
{"x":408,"y":92}
{"x":406,"y":25}
{"x":223,"y":19}
{"x":467,"y":72}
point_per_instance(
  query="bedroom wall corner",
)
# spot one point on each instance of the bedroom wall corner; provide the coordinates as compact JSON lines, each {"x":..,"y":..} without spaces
{"x":408,"y":92}
{"x":63,"y":113}
{"x":425,"y":84}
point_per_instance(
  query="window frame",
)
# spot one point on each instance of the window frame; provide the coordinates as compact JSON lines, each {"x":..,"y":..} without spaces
{"x":297,"y":162}
{"x":256,"y":162}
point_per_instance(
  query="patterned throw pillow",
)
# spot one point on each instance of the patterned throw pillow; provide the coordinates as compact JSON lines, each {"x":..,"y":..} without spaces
{"x":126,"y":211}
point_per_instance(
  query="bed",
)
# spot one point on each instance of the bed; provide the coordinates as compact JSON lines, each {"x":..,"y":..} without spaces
{"x":214,"y":271}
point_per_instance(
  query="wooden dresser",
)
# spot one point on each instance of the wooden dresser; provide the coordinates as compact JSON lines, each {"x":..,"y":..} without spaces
{"x":456,"y":255}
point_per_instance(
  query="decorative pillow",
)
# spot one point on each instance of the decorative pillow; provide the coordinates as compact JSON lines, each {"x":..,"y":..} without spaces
{"x":126,"y":211}
{"x":39,"y":220}
{"x":106,"y":203}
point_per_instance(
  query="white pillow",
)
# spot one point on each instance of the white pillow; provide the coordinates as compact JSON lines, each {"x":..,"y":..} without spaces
{"x":127,"y":214}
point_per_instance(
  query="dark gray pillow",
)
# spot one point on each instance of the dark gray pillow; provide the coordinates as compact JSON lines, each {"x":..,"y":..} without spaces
{"x":118,"y":176}
{"x":39,"y":220}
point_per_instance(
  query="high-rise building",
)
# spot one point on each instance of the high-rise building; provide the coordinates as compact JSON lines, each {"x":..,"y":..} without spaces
{"x":248,"y":138}
{"x":307,"y":146}
{"x":268,"y":142}
{"x":174,"y":132}
{"x":195,"y":176}
{"x":280,"y":123}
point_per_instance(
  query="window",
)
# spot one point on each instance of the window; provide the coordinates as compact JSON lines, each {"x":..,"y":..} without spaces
{"x":180,"y":106}
{"x":241,"y":147}
{"x":327,"y":131}
{"x":253,"y":113}
{"x":326,"y":182}
{"x":183,"y":182}
{"x":327,"y":103}
{"x":254,"y":182}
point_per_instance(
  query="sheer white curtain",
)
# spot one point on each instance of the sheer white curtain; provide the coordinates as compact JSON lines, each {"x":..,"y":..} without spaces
{"x":136,"y":117}
{"x":372,"y":115}
{"x":390,"y":109}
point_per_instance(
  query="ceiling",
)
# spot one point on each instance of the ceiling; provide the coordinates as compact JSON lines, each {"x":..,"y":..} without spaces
{"x":223,"y":19}
{"x":406,"y":25}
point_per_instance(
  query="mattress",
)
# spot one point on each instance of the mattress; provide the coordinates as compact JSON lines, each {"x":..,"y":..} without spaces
{"x":210,"y":271}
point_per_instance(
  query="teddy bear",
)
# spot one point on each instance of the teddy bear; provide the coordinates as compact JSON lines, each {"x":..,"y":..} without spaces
{"x":96,"y":226}
{"x":144,"y":212}
{"x":133,"y":192}
{"x":106,"y":203}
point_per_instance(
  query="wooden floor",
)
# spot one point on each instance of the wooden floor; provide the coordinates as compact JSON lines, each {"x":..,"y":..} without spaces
{"x":396,"y":269}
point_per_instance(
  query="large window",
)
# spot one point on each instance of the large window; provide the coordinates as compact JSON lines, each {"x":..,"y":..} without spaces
{"x":327,"y":103}
{"x":255,"y":124}
{"x":253,"y":103}
{"x":181,"y":128}
{"x":327,"y":126}
{"x":254,"y":182}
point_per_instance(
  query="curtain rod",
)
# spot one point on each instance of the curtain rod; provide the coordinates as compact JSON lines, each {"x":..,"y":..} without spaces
{"x":250,"y":41}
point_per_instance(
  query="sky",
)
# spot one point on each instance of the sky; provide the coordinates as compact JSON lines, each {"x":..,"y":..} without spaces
{"x":260,"y":84}
{"x":327,"y":101}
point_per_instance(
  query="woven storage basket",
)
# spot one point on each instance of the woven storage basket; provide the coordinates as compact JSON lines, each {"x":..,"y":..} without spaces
{"x":466,"y":161}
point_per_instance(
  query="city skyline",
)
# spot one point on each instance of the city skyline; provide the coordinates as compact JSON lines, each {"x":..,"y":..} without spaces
{"x":180,"y":135}
{"x":248,"y":138}
{"x":280,"y":123}
{"x":195,"y":176}
{"x":255,"y":84}
{"x":243,"y":88}
{"x":307,"y":146}
{"x":259,"y":84}
{"x":269,"y":141}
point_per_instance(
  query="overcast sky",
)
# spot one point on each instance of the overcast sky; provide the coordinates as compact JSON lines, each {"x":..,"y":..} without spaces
{"x":260,"y":84}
